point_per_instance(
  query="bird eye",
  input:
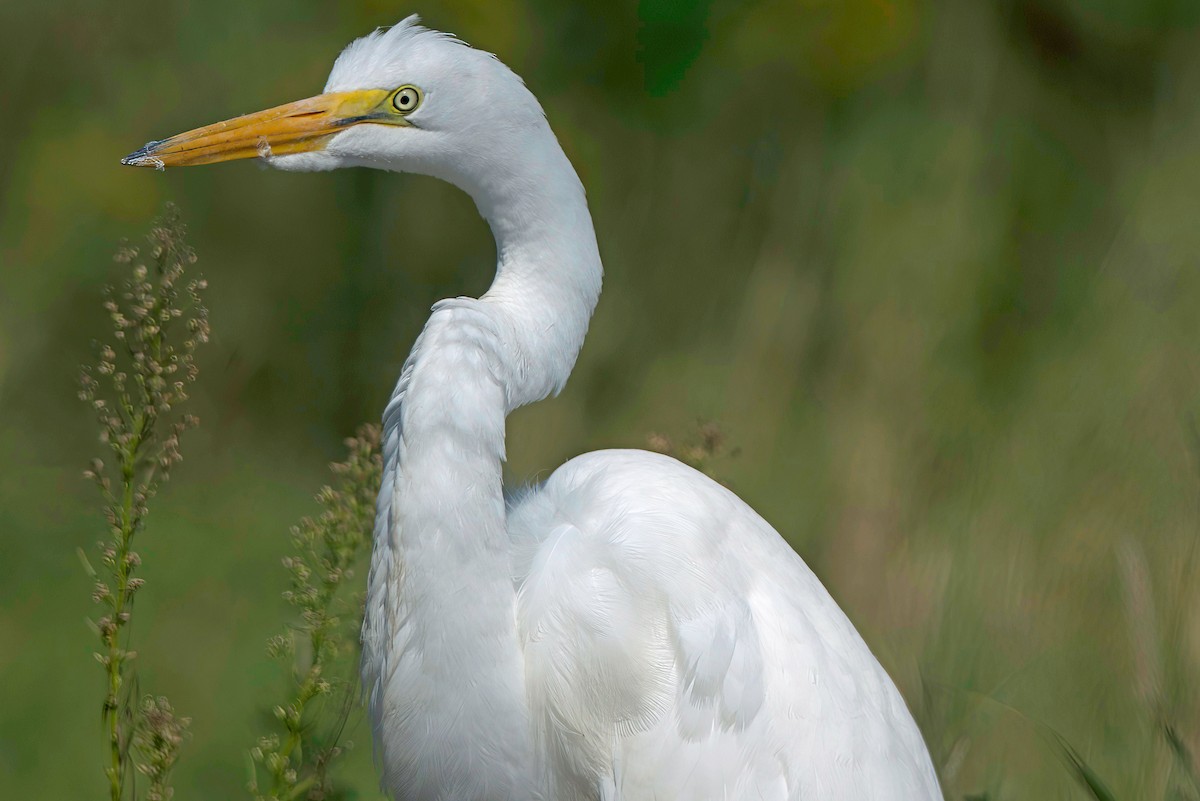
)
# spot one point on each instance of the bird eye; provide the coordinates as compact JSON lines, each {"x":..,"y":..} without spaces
{"x":406,"y":99}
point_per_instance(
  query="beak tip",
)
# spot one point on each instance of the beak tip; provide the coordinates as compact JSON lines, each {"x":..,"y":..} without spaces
{"x":144,"y":157}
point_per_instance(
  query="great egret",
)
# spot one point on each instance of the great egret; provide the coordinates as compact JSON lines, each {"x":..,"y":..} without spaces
{"x":628,"y":629}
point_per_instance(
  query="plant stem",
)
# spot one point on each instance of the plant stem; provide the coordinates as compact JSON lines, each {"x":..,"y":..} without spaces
{"x":116,"y":654}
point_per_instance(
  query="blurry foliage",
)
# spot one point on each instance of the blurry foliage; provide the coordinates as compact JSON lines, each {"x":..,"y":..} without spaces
{"x":704,"y":449}
{"x":157,"y":739}
{"x":932,"y":265}
{"x":322,"y":646}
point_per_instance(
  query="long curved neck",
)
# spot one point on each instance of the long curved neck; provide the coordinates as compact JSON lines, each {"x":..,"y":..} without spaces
{"x":548,"y":271}
{"x":441,"y":650}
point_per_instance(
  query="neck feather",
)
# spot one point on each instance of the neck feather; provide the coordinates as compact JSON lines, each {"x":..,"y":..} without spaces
{"x":548,"y":271}
{"x":441,"y":652}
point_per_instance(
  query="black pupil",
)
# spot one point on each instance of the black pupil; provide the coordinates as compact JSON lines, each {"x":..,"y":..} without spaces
{"x":405,"y":99}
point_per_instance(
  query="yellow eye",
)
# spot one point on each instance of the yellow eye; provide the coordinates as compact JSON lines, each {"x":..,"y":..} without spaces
{"x":406,"y":99}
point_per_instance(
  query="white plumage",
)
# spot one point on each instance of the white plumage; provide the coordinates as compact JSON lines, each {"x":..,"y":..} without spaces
{"x":629,"y":629}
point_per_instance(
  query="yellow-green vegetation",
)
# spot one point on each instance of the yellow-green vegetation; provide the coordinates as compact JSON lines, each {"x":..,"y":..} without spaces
{"x":322,"y":644}
{"x":135,"y":388}
{"x":933,"y":267}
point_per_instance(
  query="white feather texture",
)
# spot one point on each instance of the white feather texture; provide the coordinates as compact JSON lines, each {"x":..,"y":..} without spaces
{"x":627,"y":630}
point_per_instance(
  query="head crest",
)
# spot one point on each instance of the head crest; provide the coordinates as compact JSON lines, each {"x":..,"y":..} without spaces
{"x":380,"y":56}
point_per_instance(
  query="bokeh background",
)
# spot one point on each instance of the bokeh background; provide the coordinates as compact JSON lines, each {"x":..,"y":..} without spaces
{"x":931,"y":266}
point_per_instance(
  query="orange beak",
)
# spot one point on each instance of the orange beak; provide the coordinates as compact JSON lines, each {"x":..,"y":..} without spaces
{"x":299,"y":127}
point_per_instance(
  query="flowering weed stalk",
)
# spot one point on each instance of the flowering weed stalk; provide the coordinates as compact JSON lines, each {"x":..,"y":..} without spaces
{"x":704,"y":449}
{"x":322,"y":644}
{"x":135,"y":388}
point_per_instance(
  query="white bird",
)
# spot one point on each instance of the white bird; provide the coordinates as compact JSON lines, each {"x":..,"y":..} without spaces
{"x":628,"y":629}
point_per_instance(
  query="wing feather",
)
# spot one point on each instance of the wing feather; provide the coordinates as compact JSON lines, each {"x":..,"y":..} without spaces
{"x":675,"y":647}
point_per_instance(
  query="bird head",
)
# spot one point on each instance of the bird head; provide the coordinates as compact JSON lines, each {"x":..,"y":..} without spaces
{"x":406,"y":98}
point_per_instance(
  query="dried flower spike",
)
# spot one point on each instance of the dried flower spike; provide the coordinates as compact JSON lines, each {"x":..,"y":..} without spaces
{"x":156,"y":328}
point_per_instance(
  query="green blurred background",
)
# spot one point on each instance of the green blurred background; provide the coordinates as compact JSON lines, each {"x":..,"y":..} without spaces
{"x":931,"y":266}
